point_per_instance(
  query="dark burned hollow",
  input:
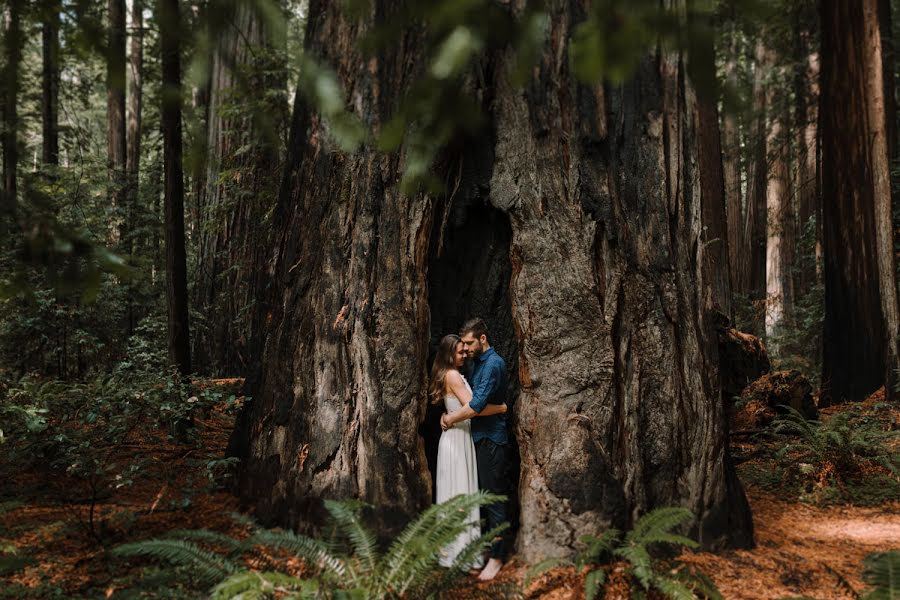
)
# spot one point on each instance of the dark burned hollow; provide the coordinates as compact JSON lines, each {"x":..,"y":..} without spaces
{"x":468,"y":276}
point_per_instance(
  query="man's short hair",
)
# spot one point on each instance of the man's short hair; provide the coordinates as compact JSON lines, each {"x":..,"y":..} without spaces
{"x":474,"y":326}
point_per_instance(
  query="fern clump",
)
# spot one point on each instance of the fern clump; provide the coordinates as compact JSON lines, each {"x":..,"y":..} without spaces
{"x":882,"y":572}
{"x":351,"y":565}
{"x":653,"y":529}
{"x":835,"y":458}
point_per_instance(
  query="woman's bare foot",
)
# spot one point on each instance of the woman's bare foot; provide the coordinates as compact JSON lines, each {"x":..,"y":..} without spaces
{"x":491,"y":569}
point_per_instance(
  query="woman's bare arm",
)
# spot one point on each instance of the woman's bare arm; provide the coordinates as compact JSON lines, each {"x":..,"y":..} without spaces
{"x":454,"y":381}
{"x":492,"y":409}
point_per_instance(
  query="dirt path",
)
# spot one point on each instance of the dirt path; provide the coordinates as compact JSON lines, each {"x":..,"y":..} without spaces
{"x":803,"y":550}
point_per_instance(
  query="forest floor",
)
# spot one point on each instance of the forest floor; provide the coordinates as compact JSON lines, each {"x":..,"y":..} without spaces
{"x":55,"y":545}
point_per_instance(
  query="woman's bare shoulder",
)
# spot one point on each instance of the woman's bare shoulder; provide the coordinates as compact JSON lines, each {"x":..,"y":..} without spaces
{"x":453,"y":377}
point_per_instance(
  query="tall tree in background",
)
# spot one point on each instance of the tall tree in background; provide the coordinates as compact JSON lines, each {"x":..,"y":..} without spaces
{"x":731,"y":166}
{"x":806,"y":93}
{"x":133,"y":138}
{"x":779,"y":222}
{"x":115,"y":114}
{"x":861,"y":313}
{"x":176,"y":260}
{"x":754,"y":267}
{"x":241,"y":161}
{"x":135,"y":97}
{"x":620,"y":410}
{"x":716,"y":258}
{"x":12,"y":51}
{"x":50,"y":82}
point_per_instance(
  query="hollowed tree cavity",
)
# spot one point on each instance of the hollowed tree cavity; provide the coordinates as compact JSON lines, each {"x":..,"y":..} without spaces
{"x":468,"y":276}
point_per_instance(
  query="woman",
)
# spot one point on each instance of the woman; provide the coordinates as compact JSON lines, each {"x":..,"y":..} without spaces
{"x":456,"y":470}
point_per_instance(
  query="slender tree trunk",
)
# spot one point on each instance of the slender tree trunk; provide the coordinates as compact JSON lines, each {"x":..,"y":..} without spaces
{"x":133,"y":137}
{"x":807,"y":188}
{"x":779,"y":227}
{"x":176,"y":260}
{"x":12,"y":47}
{"x":731,"y":163}
{"x":50,"y":84}
{"x":861,"y":321}
{"x":241,"y":160}
{"x":115,"y":115}
{"x":136,"y":63}
{"x":716,"y":261}
{"x":620,"y":409}
{"x":755,"y":216}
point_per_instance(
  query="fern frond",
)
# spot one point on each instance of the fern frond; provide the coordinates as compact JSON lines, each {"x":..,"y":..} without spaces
{"x":252,"y":584}
{"x":656,"y":523}
{"x":882,"y":571}
{"x":641,"y":563}
{"x":424,"y":538}
{"x":467,"y":556}
{"x":597,"y":546}
{"x":593,"y":583}
{"x":234,"y":547}
{"x":701,"y":584}
{"x":314,"y":552}
{"x":244,"y":520}
{"x":675,"y":590}
{"x":208,"y":565}
{"x":345,"y":515}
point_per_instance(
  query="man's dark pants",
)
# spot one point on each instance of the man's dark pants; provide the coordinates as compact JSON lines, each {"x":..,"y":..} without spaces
{"x":493,"y":477}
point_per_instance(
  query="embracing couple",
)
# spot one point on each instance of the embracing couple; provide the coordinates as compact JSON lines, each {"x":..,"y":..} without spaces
{"x":473,"y":454}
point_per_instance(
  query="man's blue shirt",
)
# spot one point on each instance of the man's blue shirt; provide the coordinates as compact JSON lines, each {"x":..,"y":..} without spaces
{"x":488,"y":380}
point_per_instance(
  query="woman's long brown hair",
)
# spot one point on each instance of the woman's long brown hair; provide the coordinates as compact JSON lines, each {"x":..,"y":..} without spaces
{"x":443,"y":362}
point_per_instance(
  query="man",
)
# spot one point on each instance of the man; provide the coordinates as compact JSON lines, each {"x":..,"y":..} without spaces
{"x":489,"y":384}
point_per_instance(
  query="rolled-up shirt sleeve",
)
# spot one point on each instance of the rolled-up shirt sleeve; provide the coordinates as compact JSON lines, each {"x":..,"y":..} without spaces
{"x":485,"y":387}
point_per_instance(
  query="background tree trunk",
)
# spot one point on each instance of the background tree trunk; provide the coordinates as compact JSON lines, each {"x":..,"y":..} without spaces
{"x":731,"y":163}
{"x":240,"y":162}
{"x":12,"y":46}
{"x":620,"y":409}
{"x":176,"y":264}
{"x":807,"y":188}
{"x":779,"y":221}
{"x":716,"y":261}
{"x":755,"y":216}
{"x":861,"y":325}
{"x":133,"y":137}
{"x":50,"y":83}
{"x":136,"y":62}
{"x":115,"y":114}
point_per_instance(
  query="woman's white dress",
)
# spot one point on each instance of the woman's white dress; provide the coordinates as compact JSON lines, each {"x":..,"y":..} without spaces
{"x":457,"y":473}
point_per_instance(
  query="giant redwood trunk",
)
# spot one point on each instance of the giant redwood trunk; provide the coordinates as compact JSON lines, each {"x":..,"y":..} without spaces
{"x":595,"y":197}
{"x":861,"y":322}
{"x":241,"y":158}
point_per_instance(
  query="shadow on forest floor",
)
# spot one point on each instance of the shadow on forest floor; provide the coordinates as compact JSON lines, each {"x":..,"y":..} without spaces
{"x":802,"y":549}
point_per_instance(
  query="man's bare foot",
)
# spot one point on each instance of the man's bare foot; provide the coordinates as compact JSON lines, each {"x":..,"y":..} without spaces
{"x":491,"y":569}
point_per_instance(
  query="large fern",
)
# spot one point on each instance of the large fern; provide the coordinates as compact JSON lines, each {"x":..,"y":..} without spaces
{"x":655,"y":527}
{"x":882,"y":572}
{"x":409,"y":567}
{"x":206,"y":566}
